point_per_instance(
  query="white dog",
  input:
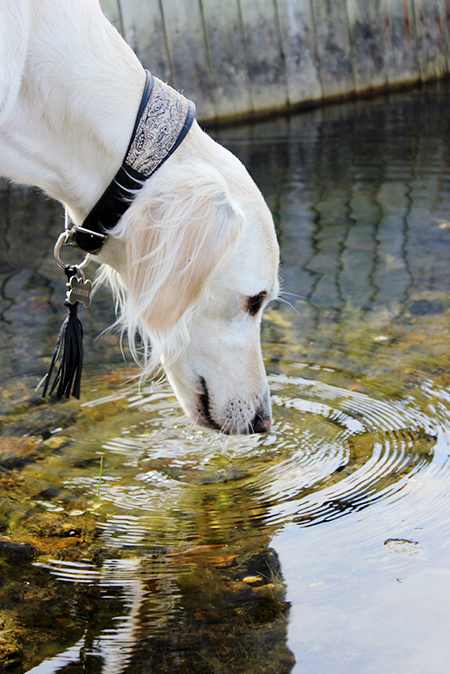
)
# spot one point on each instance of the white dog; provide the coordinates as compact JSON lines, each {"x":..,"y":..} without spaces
{"x":194,"y":258}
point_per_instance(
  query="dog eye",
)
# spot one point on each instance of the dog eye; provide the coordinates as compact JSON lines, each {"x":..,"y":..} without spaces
{"x":254,"y":303}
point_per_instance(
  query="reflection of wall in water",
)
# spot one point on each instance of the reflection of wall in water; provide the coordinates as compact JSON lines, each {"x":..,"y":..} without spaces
{"x":360,"y":197}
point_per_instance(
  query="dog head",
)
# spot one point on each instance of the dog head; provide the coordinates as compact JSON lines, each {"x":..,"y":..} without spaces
{"x":201,"y":262}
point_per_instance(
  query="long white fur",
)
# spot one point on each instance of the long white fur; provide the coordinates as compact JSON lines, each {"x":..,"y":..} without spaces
{"x":178,"y":235}
{"x":198,"y":239}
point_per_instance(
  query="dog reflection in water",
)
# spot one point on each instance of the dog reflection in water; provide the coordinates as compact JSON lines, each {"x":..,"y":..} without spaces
{"x":185,"y":238}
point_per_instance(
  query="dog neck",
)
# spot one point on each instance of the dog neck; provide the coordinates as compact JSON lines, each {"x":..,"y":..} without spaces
{"x":163,"y":121}
{"x":67,"y":127}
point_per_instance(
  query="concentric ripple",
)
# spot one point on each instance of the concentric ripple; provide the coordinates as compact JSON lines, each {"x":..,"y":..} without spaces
{"x":178,"y":503}
{"x":349,"y":450}
{"x":331,"y":451}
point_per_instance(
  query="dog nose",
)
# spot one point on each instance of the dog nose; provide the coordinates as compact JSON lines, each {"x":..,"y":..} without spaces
{"x":261,"y":425}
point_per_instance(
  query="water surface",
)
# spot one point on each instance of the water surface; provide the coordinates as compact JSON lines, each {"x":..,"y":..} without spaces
{"x":321,"y":547}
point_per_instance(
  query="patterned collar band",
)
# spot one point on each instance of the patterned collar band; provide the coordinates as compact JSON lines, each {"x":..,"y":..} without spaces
{"x":163,"y":121}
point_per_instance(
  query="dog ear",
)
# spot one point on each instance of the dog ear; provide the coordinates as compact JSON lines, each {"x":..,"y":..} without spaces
{"x":186,"y":227}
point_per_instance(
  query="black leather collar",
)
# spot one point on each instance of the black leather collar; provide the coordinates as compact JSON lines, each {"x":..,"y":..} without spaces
{"x":163,"y":121}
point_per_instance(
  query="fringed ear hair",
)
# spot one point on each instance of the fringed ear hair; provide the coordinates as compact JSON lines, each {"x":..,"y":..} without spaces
{"x":69,"y":345}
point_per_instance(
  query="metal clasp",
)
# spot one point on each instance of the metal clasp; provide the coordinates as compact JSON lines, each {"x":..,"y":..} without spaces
{"x":63,"y":239}
{"x":75,"y":229}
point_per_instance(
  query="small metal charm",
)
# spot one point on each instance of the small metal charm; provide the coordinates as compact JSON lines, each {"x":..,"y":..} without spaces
{"x":79,"y":291}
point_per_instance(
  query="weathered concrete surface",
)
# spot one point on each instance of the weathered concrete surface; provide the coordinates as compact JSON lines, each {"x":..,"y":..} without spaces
{"x":368,"y":38}
{"x":402,"y":59}
{"x":334,"y":47}
{"x":299,"y":45}
{"x":229,"y":68}
{"x":241,"y":58}
{"x":432,"y":37}
{"x":145,"y":30}
{"x":265,"y":57}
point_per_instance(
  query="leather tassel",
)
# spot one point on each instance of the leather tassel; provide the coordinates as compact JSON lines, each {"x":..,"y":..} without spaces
{"x":69,"y":351}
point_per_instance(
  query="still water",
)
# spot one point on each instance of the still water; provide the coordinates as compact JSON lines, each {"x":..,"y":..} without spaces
{"x":322,"y":548}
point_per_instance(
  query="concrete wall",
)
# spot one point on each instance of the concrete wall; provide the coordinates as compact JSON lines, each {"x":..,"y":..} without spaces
{"x":238,"y":58}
